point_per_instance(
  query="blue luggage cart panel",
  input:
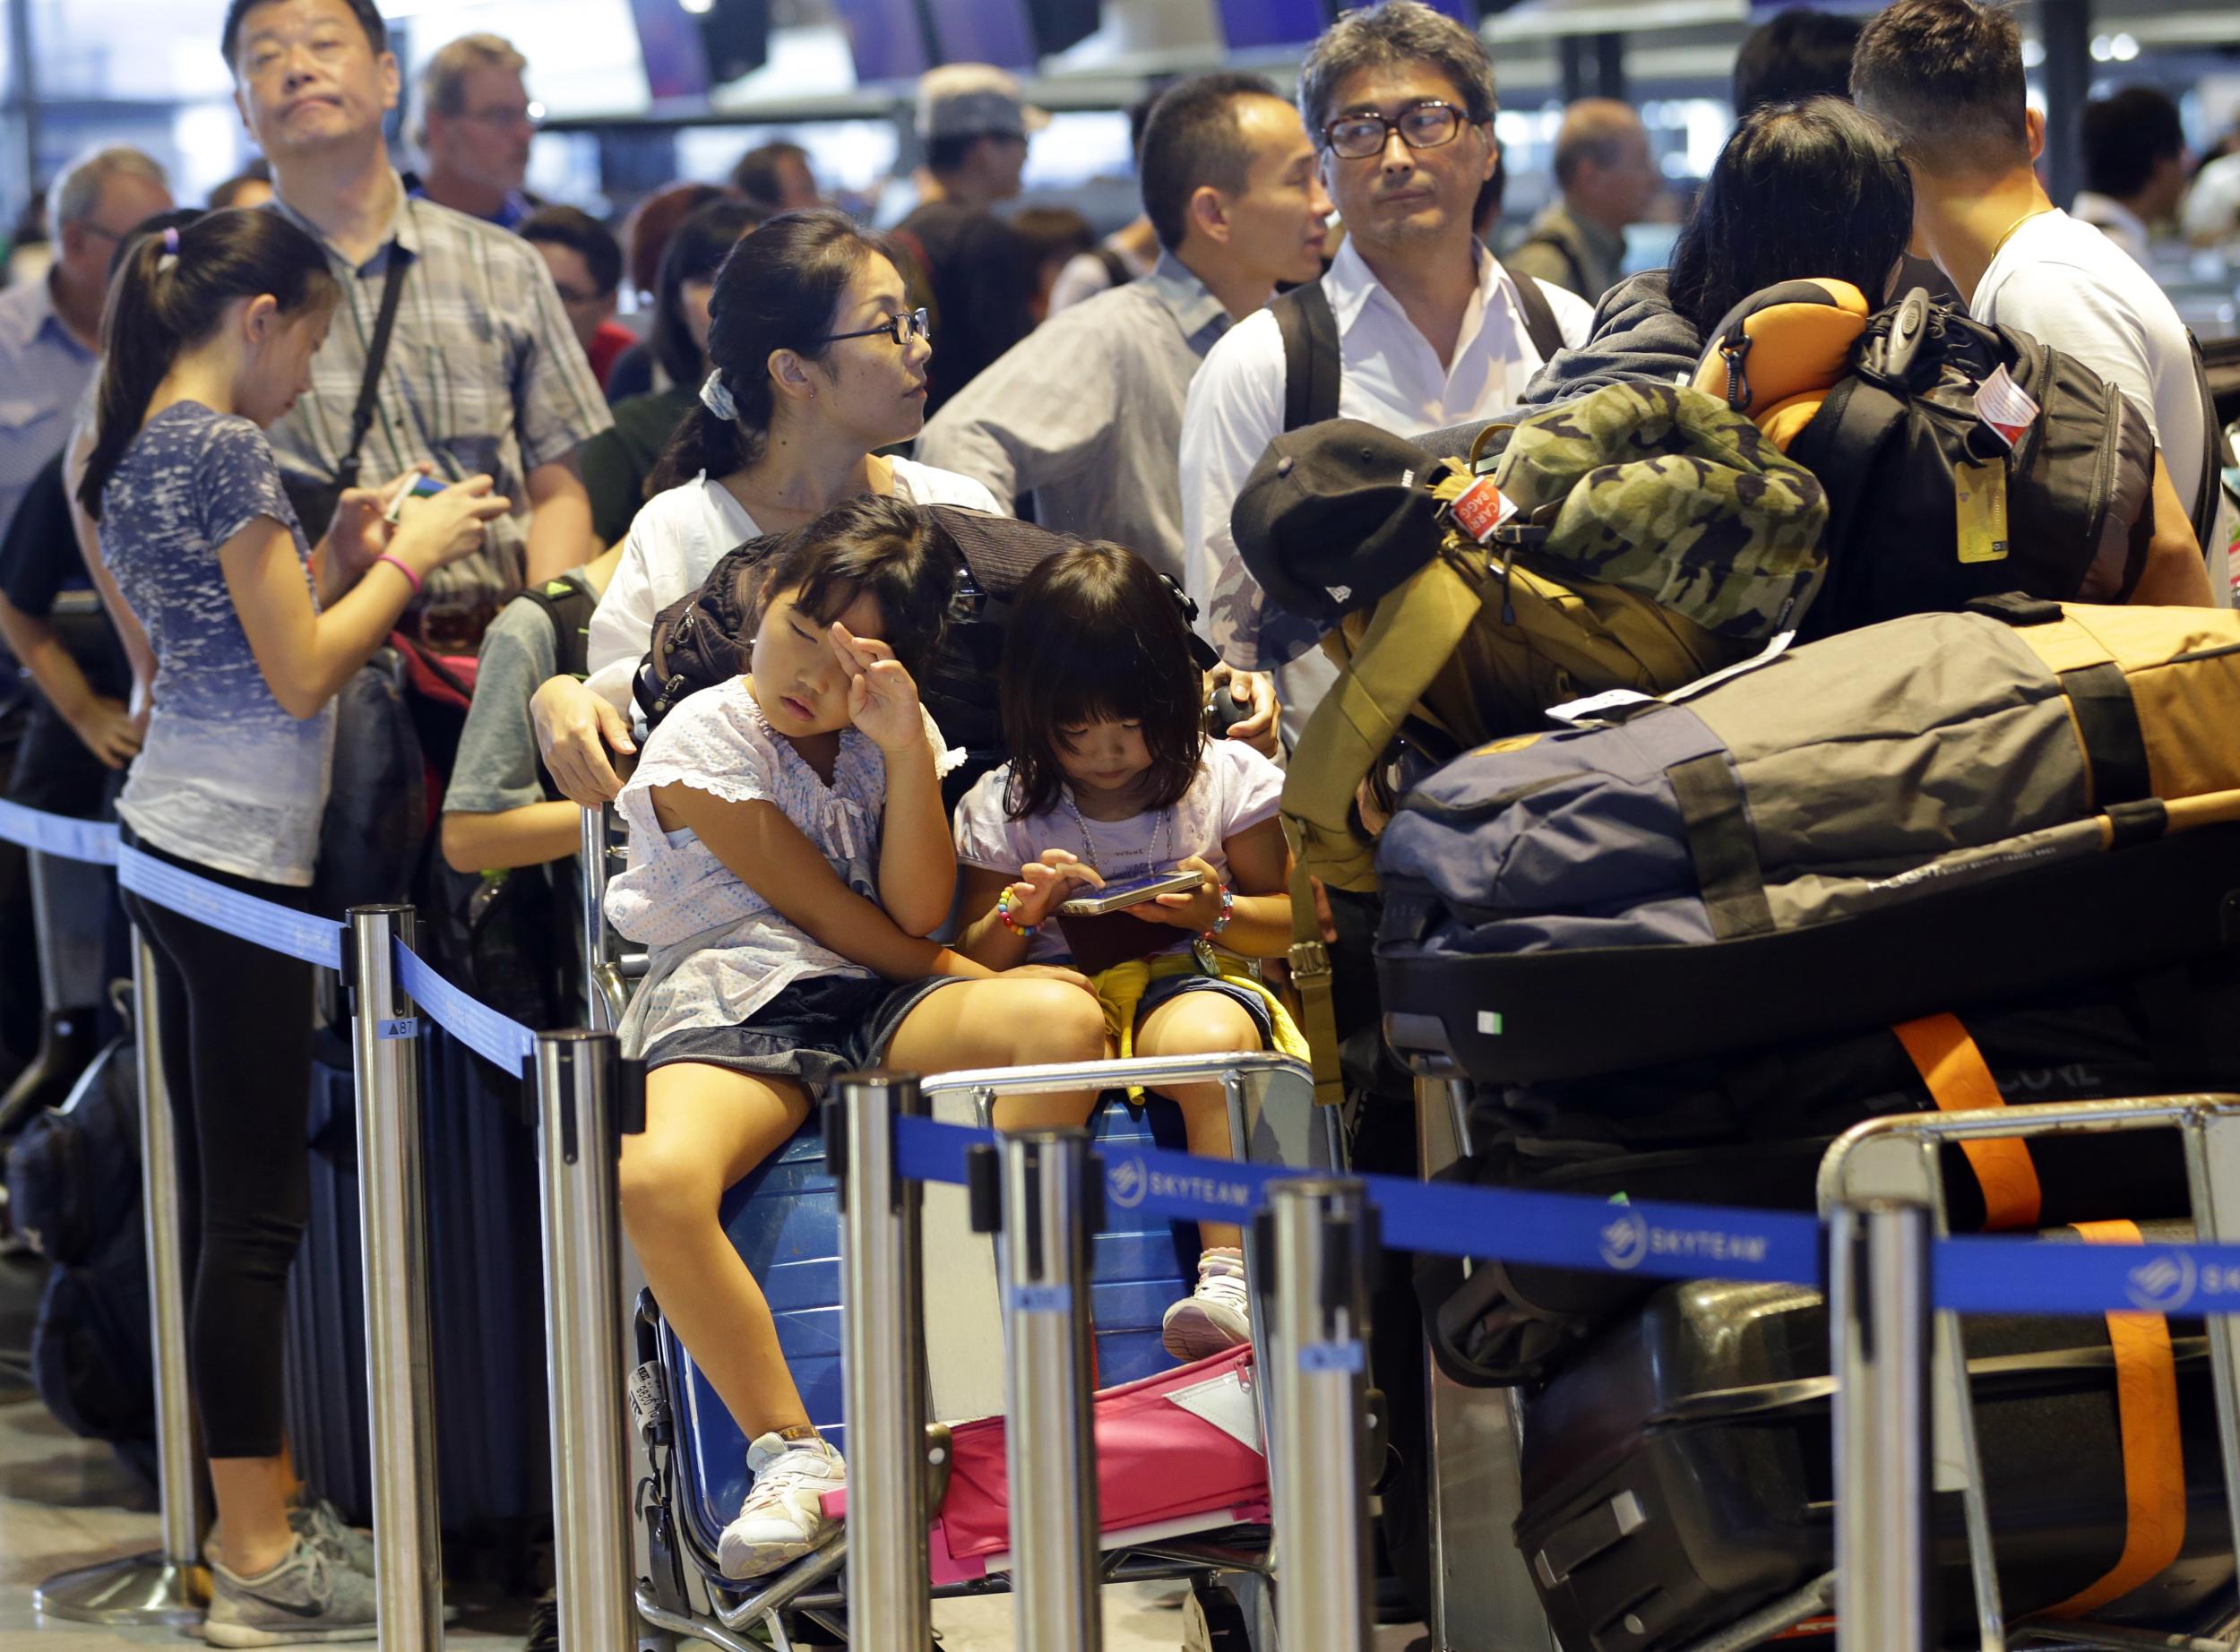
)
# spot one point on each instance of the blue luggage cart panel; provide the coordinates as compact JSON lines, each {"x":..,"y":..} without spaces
{"x":784,"y":1219}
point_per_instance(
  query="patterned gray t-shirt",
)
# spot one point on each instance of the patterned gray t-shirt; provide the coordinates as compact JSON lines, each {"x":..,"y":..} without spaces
{"x":225,"y":776}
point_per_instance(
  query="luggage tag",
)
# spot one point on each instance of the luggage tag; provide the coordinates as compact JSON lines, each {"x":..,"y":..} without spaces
{"x":1979,"y":496}
{"x":2006,"y":408}
{"x":1481,"y":507}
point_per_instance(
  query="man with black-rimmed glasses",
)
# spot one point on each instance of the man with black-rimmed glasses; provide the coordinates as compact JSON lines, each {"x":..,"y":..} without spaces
{"x":1430,"y":330}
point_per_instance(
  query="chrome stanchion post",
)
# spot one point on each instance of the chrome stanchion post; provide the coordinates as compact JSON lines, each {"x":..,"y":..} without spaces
{"x":591,"y":858}
{"x":1051,"y":1190}
{"x":584,"y":1107}
{"x":167,"y":1586}
{"x":1316,"y":1241}
{"x":392,"y":1204}
{"x":1879,"y":1323}
{"x":882,"y":1347}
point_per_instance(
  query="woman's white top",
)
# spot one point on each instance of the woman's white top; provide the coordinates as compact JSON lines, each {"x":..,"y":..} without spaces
{"x":675,"y":540}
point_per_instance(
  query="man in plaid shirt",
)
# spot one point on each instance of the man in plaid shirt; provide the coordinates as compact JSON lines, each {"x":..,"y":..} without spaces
{"x":482,"y":372}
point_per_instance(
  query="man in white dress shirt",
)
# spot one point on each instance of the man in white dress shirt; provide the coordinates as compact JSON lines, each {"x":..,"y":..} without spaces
{"x":1432,"y":331}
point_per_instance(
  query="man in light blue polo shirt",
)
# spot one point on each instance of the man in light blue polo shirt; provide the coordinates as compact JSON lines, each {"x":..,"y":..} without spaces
{"x":50,"y":330}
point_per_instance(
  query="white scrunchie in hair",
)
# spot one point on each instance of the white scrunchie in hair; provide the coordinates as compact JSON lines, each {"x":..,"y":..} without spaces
{"x":716,"y":398}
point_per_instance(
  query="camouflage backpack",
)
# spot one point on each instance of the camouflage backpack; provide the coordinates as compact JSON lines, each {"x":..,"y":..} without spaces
{"x":1637,"y":539}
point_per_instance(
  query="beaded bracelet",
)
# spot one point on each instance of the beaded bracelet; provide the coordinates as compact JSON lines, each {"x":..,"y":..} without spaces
{"x":1002,"y":910}
{"x":1221,"y":922}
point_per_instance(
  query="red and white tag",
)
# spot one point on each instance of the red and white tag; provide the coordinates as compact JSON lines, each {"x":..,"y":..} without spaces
{"x":1481,"y":507}
{"x":2006,"y":407}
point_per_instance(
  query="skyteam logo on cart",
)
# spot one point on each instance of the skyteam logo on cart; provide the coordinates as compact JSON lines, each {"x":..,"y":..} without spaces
{"x":2163,"y":1285}
{"x":1626,"y":1241}
{"x":1131,"y":1179}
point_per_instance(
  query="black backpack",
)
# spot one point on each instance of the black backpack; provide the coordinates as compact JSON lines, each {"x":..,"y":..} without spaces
{"x":699,"y":640}
{"x":511,"y":937}
{"x":1889,"y":443}
{"x":1312,"y":362}
{"x":73,"y":1192}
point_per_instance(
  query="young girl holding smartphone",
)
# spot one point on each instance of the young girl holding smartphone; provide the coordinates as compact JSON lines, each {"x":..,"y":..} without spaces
{"x":1111,"y":776}
{"x":208,"y":338}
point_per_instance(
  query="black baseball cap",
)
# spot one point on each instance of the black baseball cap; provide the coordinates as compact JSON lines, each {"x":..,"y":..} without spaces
{"x":1335,"y":515}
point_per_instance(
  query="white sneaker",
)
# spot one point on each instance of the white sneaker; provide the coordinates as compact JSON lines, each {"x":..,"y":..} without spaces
{"x":783,"y":1516}
{"x":1215,"y":1317}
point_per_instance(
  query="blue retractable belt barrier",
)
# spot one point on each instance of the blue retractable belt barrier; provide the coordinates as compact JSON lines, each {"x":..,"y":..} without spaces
{"x":278,"y":929}
{"x":1558,"y":1230}
{"x":1972,"y":1275}
{"x":504,"y":1044}
{"x":1987,"y":1275}
{"x":60,"y":835}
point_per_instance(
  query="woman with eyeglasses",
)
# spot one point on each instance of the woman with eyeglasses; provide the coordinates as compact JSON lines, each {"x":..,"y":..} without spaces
{"x":817,"y":361}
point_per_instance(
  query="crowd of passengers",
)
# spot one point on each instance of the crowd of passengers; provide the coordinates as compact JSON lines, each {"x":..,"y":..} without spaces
{"x":815,"y":884}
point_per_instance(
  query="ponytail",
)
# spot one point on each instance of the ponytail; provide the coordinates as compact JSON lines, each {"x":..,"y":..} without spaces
{"x":170,"y":291}
{"x":702,"y":442}
{"x":138,"y":346}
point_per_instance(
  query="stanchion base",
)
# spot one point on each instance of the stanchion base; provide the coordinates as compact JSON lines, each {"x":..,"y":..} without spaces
{"x":146,"y":1589}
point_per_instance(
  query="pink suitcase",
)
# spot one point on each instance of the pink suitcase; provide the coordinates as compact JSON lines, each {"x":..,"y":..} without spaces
{"x":1177,"y":1452}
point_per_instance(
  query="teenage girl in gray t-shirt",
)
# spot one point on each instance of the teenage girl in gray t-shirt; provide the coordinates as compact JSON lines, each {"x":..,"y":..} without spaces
{"x":209,"y":338}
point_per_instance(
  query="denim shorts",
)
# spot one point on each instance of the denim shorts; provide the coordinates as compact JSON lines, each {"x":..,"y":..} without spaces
{"x":816,"y":1029}
{"x":1167,"y":989}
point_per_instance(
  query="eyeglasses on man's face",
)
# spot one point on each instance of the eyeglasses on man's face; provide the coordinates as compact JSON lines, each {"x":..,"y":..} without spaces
{"x":1429,"y":124}
{"x":902,"y":328}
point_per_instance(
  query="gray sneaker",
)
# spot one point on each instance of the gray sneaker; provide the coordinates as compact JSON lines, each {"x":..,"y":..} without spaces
{"x":305,"y":1600}
{"x":320,"y":1524}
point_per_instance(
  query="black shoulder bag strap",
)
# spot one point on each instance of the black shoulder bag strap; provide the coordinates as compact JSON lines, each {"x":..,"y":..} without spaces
{"x":1311,"y":362}
{"x":2216,"y":453}
{"x":1539,"y":317}
{"x":376,"y":354}
{"x":1115,"y":266}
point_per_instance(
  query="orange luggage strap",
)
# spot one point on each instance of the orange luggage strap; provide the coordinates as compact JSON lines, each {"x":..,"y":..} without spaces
{"x":2154,"y":1460}
{"x":1959,"y":1081}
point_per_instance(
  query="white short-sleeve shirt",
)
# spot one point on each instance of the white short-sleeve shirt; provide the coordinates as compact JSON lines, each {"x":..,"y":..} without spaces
{"x":2069,"y":285}
{"x":720,"y":950}
{"x":1235,"y":790}
{"x":675,"y":540}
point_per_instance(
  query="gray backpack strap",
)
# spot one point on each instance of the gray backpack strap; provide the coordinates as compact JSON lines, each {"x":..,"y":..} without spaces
{"x":1311,"y":362}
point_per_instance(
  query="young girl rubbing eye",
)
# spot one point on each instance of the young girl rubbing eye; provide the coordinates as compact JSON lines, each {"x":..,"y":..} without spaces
{"x":788,"y":853}
{"x":1112,"y":776}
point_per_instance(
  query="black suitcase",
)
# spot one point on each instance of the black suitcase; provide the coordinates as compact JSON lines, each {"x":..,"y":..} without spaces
{"x":1751,"y":1129}
{"x":1719,"y":1074}
{"x":1677,"y":1475}
{"x":486,"y":1304}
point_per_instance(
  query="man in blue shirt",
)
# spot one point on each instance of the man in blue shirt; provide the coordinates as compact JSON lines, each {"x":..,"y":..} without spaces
{"x":50,"y":330}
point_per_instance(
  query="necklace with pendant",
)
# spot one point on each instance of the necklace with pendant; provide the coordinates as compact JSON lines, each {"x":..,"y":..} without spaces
{"x":1200,"y":948}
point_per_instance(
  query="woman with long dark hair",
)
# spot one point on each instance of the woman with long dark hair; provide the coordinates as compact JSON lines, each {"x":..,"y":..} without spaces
{"x":1801,"y":190}
{"x":817,"y":363}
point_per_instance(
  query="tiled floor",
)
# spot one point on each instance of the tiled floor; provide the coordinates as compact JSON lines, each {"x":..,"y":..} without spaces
{"x":65,"y":1503}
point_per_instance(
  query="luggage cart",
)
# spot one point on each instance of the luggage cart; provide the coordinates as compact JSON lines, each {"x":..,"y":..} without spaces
{"x":1897,"y":1158}
{"x":698,"y":1453}
{"x":784,"y":1219}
